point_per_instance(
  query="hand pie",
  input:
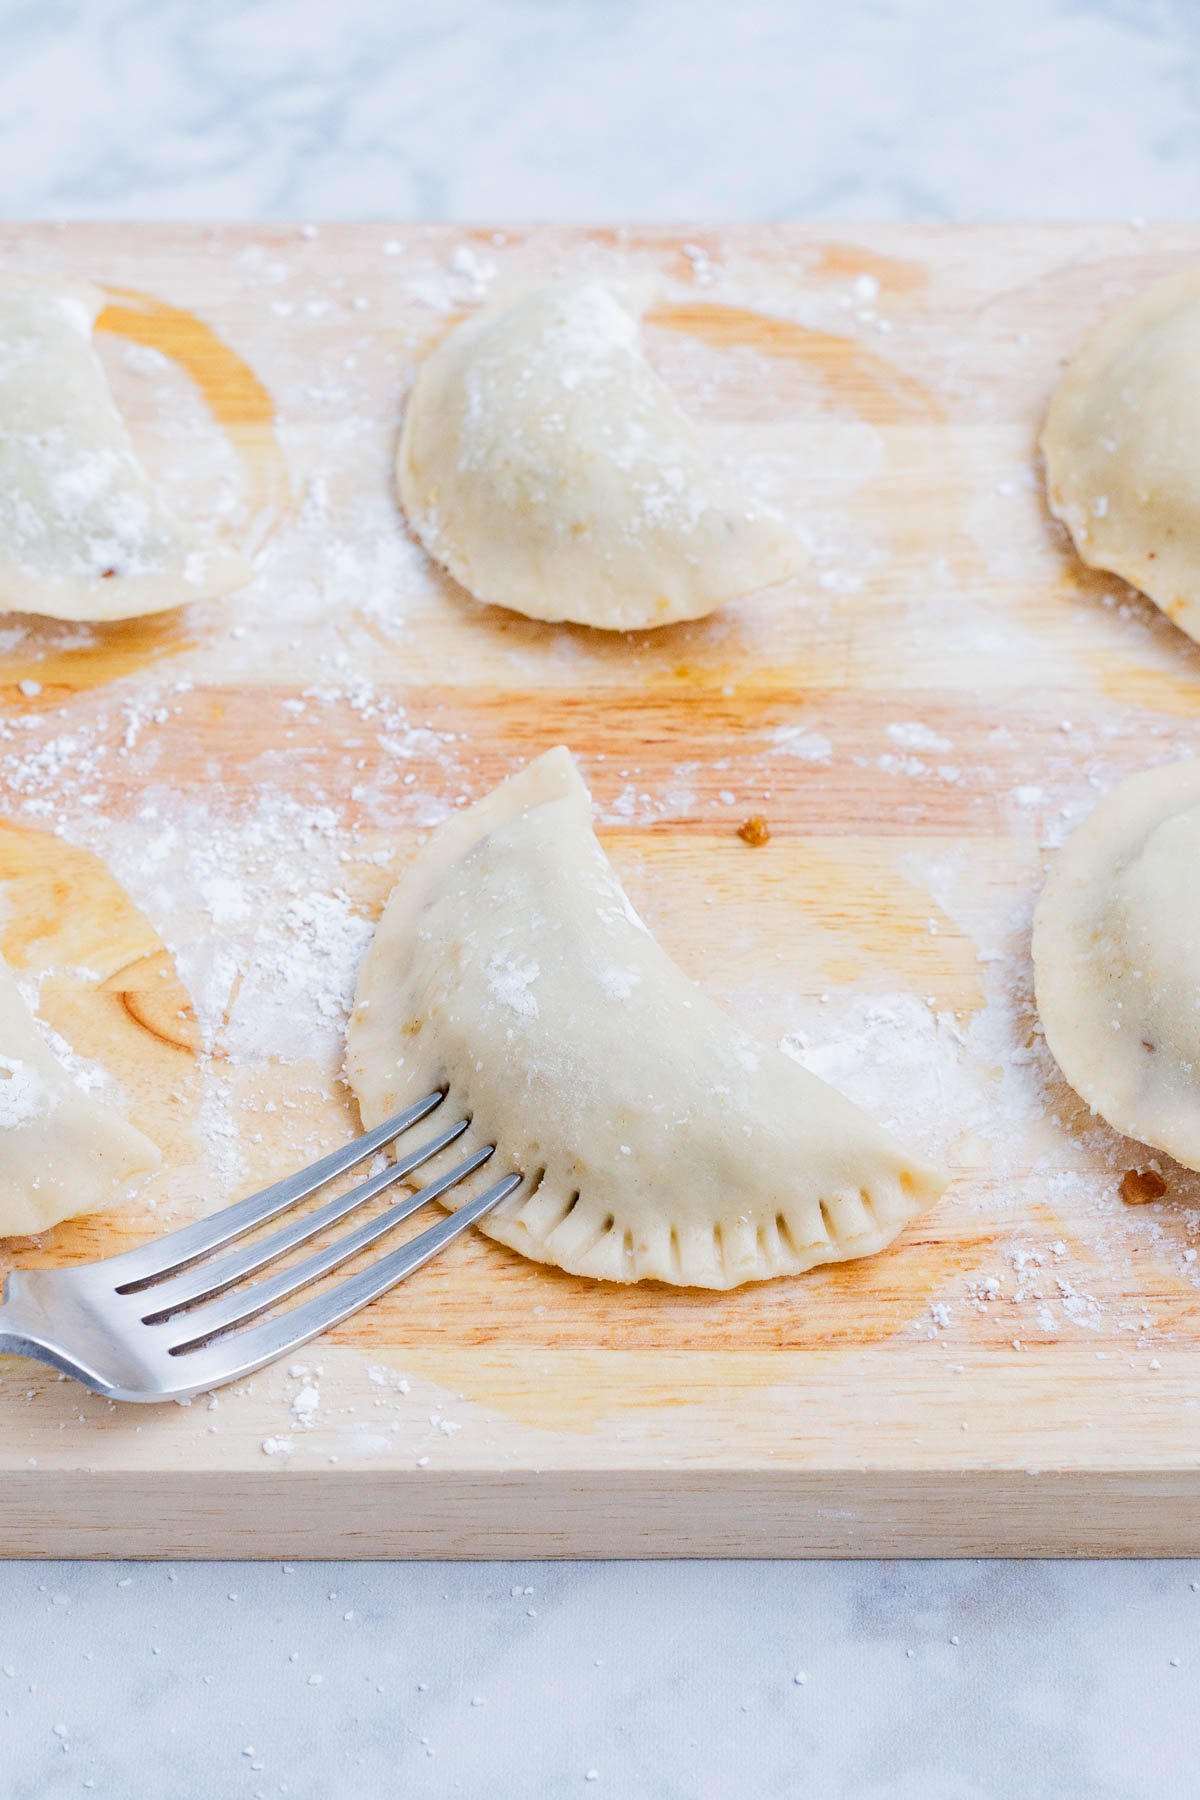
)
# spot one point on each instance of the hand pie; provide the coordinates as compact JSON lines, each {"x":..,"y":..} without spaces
{"x":1116,"y":949}
{"x":1122,"y":448}
{"x":61,"y":1151}
{"x":83,"y":534}
{"x":550,"y":470}
{"x":660,"y":1141}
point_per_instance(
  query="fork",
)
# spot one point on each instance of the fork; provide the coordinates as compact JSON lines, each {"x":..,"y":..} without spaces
{"x":165,"y":1322}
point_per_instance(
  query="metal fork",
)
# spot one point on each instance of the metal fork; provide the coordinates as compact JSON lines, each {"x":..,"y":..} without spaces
{"x":164,"y":1322}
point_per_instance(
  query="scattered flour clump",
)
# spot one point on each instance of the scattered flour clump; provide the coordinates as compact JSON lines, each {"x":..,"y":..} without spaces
{"x":23,"y":1094}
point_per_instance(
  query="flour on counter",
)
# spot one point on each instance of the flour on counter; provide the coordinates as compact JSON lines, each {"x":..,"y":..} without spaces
{"x":912,"y":735}
{"x":805,"y":746}
{"x":23,"y":1094}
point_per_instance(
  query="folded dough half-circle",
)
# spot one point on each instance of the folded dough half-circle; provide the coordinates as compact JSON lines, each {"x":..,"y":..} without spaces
{"x":1122,"y":448}
{"x":659,"y":1141}
{"x":1116,"y":949}
{"x":62,"y":1152}
{"x":550,"y":470}
{"x":83,"y":532}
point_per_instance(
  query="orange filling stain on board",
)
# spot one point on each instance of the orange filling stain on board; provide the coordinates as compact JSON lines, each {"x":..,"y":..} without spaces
{"x":153,"y":996}
{"x":59,"y":658}
{"x":880,"y":393}
{"x":894,"y":274}
{"x":239,"y":402}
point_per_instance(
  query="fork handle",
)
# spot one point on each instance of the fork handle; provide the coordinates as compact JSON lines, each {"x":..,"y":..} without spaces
{"x":12,"y":1338}
{"x":17,"y":1338}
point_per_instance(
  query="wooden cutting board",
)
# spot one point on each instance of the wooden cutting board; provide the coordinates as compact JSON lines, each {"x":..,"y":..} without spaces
{"x":201,"y":813}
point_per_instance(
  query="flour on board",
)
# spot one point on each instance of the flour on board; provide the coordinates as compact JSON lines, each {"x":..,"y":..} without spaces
{"x":256,"y":782}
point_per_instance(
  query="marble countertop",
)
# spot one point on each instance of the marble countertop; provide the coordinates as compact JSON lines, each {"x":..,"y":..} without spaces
{"x":647,"y":1681}
{"x":682,"y":1681}
{"x":599,"y":109}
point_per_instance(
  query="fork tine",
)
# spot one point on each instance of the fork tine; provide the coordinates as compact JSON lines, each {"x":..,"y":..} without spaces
{"x":208,"y":1279}
{"x":166,"y":1255}
{"x":245,"y":1351}
{"x":237,"y":1308}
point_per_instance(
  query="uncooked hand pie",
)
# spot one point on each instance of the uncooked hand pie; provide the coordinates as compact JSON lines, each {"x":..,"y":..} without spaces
{"x":83,"y":534}
{"x":1122,"y":448}
{"x":1116,"y":946}
{"x":659,"y":1140}
{"x":550,"y":470}
{"x":61,"y":1151}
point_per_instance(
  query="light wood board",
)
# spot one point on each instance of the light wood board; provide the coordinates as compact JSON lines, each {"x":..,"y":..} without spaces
{"x":920,"y":716}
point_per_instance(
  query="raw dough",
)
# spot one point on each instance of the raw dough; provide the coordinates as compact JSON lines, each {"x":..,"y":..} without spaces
{"x":61,"y":1151}
{"x":82,"y":533}
{"x":1122,"y":448}
{"x":661,"y":1140}
{"x":545,"y":464}
{"x":1116,"y":947}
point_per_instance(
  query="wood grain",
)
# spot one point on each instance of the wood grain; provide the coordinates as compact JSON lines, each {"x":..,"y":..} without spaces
{"x":494,"y":1407}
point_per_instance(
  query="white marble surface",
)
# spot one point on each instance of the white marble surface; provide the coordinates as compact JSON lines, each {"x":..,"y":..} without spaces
{"x":586,"y":109}
{"x":924,"y":1682}
{"x":967,"y":1681}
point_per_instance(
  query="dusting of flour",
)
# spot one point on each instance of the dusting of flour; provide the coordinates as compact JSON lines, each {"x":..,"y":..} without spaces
{"x":917,"y":737}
